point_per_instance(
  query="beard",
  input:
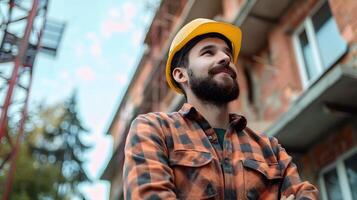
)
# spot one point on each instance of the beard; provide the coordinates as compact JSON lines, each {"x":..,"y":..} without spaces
{"x":208,"y":90}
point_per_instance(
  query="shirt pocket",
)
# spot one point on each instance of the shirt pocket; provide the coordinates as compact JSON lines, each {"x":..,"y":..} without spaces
{"x":194,"y":174}
{"x":261,"y":179}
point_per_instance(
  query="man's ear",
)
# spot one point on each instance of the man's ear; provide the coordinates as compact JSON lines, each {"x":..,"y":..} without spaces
{"x":180,"y":75}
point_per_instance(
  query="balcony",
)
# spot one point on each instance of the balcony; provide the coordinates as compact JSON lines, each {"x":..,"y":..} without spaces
{"x":326,"y":104}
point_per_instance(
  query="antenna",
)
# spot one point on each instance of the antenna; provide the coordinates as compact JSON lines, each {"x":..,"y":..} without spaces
{"x":24,"y":32}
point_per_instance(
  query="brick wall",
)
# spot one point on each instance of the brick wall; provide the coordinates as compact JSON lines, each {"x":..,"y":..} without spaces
{"x":274,"y":70}
{"x":231,"y":8}
{"x":346,"y":15}
{"x":331,"y":147}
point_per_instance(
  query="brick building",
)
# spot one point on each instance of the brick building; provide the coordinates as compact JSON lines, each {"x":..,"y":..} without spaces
{"x":297,"y":74}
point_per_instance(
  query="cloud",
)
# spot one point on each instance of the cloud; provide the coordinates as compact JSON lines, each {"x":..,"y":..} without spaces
{"x":129,"y":10}
{"x":95,"y":46}
{"x":85,"y":73}
{"x":96,"y":49}
{"x":114,"y":12}
{"x":121,"y":78}
{"x":64,"y":74}
{"x":119,"y":20}
{"x":109,"y":27}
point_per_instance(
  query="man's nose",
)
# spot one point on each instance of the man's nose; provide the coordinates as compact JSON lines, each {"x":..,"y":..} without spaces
{"x":224,"y":59}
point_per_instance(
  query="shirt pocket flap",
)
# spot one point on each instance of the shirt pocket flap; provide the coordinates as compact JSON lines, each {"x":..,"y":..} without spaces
{"x":269,"y":170}
{"x":190,"y":158}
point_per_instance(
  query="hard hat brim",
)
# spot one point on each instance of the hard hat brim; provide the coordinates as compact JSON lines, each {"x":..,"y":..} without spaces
{"x":231,"y":32}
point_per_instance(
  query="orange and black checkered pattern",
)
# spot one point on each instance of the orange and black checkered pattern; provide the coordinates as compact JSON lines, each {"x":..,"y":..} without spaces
{"x":178,"y":156}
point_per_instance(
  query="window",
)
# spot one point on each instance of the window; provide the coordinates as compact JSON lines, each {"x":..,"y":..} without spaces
{"x":351,"y":171}
{"x":318,"y":43}
{"x":339,"y":181}
{"x":333,"y":189}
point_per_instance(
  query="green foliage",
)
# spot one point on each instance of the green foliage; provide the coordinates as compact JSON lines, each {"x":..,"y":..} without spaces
{"x":60,"y":142}
{"x":51,"y":158}
{"x":32,"y":180}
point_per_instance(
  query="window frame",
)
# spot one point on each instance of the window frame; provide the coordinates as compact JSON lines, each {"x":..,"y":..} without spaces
{"x":307,"y":26}
{"x":340,"y":167}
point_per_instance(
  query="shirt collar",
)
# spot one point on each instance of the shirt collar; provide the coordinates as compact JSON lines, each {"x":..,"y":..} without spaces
{"x":188,"y":111}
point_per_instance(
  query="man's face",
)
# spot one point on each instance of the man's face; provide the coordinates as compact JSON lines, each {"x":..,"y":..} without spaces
{"x":212,"y":74}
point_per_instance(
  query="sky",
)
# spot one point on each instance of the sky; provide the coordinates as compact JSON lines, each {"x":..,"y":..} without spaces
{"x":100,"y":49}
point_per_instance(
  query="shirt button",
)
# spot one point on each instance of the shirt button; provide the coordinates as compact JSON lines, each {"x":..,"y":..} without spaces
{"x":210,"y":137}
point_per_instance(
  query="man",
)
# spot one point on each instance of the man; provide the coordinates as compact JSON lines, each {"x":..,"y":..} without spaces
{"x":202,"y":151}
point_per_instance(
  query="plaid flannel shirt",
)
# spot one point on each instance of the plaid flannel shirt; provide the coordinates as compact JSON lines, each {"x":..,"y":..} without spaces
{"x":177,"y":156}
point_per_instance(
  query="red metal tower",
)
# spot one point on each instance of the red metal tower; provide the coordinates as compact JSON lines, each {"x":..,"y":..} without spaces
{"x":25,"y":31}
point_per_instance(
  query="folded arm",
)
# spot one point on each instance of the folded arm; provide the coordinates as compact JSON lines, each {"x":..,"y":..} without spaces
{"x":292,"y":184}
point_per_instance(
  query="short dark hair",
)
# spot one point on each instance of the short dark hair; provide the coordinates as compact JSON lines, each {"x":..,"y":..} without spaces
{"x":180,"y":58}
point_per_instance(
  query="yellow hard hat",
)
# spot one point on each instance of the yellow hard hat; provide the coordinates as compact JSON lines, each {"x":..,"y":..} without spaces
{"x":198,"y":27}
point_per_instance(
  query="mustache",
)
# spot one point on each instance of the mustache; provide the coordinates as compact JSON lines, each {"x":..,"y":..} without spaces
{"x":223,"y":68}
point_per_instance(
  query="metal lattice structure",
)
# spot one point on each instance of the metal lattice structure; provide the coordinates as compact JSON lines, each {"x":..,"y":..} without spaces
{"x":24,"y":32}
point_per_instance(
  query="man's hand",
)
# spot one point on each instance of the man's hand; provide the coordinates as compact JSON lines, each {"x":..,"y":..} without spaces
{"x":291,"y":197}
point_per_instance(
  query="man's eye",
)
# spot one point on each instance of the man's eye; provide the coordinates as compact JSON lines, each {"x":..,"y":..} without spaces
{"x":208,"y":52}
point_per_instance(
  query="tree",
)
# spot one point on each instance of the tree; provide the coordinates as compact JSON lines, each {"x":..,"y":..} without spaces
{"x":58,"y":140}
{"x":32,"y":179}
{"x":50,"y":159}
